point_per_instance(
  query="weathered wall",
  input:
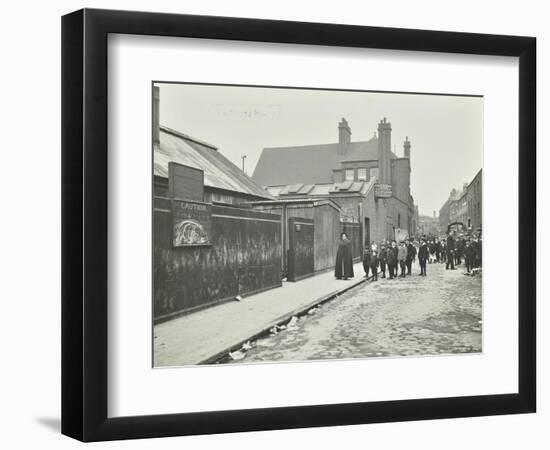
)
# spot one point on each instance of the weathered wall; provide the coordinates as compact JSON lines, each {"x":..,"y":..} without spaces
{"x":300,"y":249}
{"x":398,"y":214}
{"x":327,"y":234}
{"x":278,"y":210}
{"x":327,"y":228}
{"x":350,"y":206}
{"x":245,"y":257}
{"x":375,"y":211}
{"x":401,"y":176}
{"x":382,"y":213}
{"x":327,"y":231}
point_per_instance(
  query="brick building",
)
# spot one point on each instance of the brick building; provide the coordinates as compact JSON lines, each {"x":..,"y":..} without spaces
{"x":464,"y":206}
{"x":369,"y":182}
{"x":445,"y":211}
{"x":474,"y":203}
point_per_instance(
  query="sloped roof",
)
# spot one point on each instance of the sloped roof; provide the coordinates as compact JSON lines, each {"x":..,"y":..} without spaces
{"x":323,"y":189}
{"x":219,"y":172}
{"x":289,"y":165}
{"x":363,"y":151}
{"x":309,"y":164}
{"x":297,"y":201}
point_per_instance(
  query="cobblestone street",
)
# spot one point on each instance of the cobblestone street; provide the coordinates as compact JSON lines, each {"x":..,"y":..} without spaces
{"x":437,"y":314}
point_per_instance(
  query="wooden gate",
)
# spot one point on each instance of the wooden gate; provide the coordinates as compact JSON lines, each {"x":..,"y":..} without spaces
{"x":300,"y":254}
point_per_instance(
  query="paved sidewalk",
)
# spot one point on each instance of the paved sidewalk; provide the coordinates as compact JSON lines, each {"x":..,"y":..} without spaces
{"x":206,"y":335}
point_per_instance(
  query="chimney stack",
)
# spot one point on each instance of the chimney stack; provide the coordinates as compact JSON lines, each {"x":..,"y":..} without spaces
{"x":384,"y":150}
{"x":156,"y":115}
{"x":407,"y":148}
{"x":344,"y":136}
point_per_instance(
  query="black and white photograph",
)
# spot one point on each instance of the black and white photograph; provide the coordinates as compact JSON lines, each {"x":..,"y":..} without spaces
{"x":300,"y":224}
{"x":268,"y":225}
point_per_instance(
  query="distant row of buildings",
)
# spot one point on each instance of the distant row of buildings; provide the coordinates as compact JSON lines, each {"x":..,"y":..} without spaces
{"x":464,"y":206}
{"x":428,"y":225}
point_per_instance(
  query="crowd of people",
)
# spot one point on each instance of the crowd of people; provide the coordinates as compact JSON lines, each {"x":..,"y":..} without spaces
{"x":455,"y":250}
{"x":396,"y":258}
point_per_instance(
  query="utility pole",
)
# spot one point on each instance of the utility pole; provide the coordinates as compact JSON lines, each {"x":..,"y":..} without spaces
{"x":243,"y":157}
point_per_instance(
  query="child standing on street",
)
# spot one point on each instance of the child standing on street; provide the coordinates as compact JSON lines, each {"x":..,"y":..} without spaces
{"x":374,"y":265}
{"x":366,"y":260}
{"x":402,"y":258}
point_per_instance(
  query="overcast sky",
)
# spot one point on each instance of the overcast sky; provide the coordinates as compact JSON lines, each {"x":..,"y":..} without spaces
{"x":446,"y":132}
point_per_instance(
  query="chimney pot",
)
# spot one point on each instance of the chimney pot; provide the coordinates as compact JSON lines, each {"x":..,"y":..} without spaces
{"x":344,"y":135}
{"x":407,"y":148}
{"x":384,"y":152}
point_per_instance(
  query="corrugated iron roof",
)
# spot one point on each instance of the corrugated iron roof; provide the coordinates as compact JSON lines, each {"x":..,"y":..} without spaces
{"x":219,"y":172}
{"x":297,"y":201}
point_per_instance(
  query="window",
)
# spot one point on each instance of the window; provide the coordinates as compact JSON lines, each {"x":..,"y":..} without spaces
{"x":350,"y":174}
{"x":374,"y":172}
{"x":362,"y":174}
{"x":398,"y":220}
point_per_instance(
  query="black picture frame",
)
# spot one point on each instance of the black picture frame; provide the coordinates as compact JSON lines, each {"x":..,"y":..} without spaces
{"x":84,"y":224}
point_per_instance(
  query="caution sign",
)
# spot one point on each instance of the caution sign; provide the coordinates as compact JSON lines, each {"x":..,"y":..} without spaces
{"x":191,"y":223}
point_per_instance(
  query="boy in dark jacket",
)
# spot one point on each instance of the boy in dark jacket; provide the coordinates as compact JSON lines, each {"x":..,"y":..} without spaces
{"x":366,"y":260}
{"x":470,"y":256}
{"x":374,"y":265}
{"x":391,"y":259}
{"x":402,"y":258}
{"x":450,"y":252}
{"x":423,"y":255}
{"x":382,"y":260}
{"x":411,"y":255}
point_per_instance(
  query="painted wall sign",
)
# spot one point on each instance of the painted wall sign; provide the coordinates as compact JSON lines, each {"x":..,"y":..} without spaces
{"x":191,"y":223}
{"x":382,"y":190}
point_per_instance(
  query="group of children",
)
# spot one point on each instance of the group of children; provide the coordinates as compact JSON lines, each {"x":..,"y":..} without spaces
{"x":391,"y":256}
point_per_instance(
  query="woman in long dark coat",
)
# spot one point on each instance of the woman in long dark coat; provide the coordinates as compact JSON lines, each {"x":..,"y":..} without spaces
{"x":344,"y":262}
